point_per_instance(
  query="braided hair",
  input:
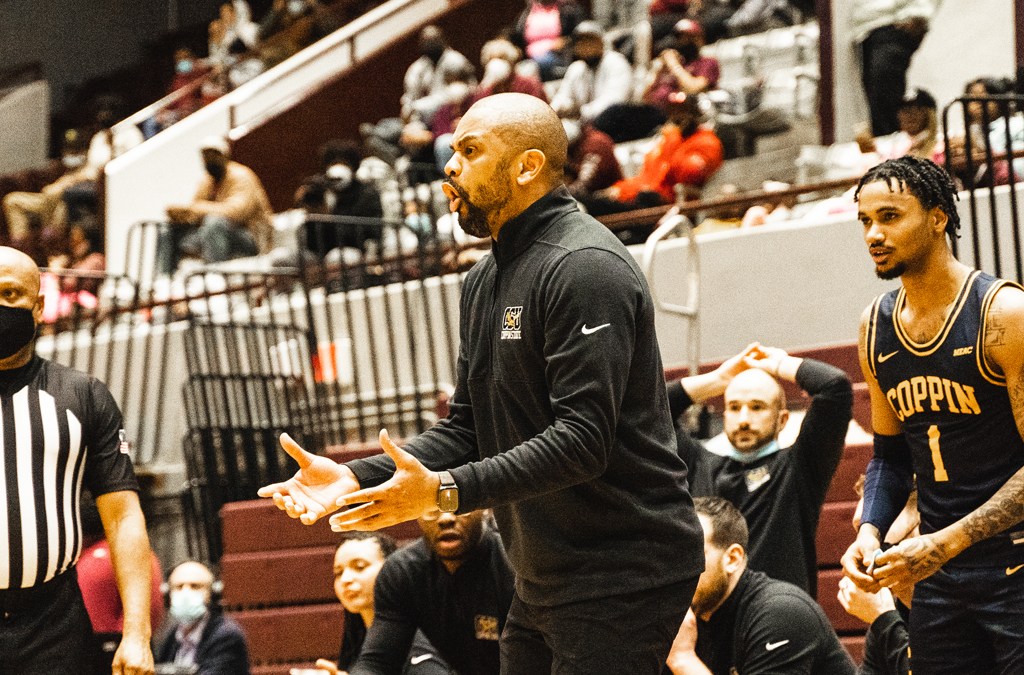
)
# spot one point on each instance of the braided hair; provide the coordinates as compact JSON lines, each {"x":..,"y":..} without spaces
{"x":922,"y":178}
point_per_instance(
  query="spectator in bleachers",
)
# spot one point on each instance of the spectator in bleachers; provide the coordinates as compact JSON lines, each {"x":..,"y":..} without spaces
{"x":84,"y":253}
{"x":888,"y":33}
{"x":40,"y":212}
{"x":591,"y":164}
{"x":918,"y":134}
{"x":459,"y":97}
{"x":679,"y":68}
{"x":597,"y":79}
{"x":618,"y":13}
{"x":454,"y":585}
{"x":742,"y":621}
{"x":282,"y":15}
{"x":664,"y":15}
{"x":187,"y":70}
{"x":197,"y":633}
{"x":428,"y":77}
{"x":686,"y":153}
{"x":1002,"y":124}
{"x":236,"y":19}
{"x":780,"y":491}
{"x":771,"y":210}
{"x":544,"y":30}
{"x":757,"y":16}
{"x":230,"y":216}
{"x":499,"y":59}
{"x":338,"y":191}
{"x":357,"y":564}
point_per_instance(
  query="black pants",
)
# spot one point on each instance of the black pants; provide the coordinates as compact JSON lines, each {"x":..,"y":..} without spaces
{"x":622,"y":634}
{"x":629,"y":121}
{"x":885,"y":58}
{"x":46,"y":631}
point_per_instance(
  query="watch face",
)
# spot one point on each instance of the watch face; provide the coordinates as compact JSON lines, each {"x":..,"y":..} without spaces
{"x":448,"y":500}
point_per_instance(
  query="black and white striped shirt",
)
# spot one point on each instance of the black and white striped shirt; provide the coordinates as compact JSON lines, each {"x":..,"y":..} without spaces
{"x":58,"y":429}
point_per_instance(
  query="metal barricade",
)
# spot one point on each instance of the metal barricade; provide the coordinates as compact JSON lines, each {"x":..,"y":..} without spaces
{"x":987,"y":162}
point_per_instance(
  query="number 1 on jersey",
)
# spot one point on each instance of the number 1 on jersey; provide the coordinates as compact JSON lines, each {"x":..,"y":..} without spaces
{"x":933,"y":443}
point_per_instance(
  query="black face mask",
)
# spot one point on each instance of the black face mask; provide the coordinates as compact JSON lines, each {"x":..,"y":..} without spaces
{"x":17,"y":329}
{"x":593,"y":61}
{"x":688,"y":51}
{"x":214,"y":169}
{"x":432,"y":50}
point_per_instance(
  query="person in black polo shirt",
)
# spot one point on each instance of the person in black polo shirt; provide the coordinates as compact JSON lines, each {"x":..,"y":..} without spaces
{"x":60,"y":429}
{"x":455,"y":585}
{"x":742,"y":621}
{"x":780,"y":491}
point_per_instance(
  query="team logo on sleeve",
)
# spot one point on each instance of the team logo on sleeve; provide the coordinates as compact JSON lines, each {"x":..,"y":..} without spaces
{"x":511,"y":323}
{"x":123,"y":444}
{"x":486,"y":627}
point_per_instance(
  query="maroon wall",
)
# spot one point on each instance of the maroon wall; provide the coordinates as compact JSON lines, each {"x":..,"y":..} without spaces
{"x":284,"y":149}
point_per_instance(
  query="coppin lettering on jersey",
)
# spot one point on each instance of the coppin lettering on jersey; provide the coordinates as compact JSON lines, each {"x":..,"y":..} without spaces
{"x":929,"y":392}
{"x":512,"y":323}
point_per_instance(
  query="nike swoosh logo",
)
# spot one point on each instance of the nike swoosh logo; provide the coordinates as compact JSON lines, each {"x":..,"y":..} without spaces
{"x":419,"y":659}
{"x":1013,"y":570}
{"x":588,"y":331}
{"x":772,"y":646}
{"x":885,"y":357}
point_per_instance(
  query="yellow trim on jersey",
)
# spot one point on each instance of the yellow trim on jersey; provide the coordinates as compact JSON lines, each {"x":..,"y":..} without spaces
{"x":929,"y":348}
{"x":984,"y":367}
{"x":872,"y":335}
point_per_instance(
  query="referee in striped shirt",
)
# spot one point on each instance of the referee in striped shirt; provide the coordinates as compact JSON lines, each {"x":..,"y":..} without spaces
{"x":60,"y":429}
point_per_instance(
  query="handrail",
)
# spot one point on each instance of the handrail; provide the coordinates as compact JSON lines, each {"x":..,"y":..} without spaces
{"x":163,"y":103}
{"x":618,"y":221}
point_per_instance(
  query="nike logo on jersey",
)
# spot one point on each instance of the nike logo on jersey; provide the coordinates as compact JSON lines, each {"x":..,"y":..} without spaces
{"x":1013,"y":570}
{"x":772,"y":646}
{"x":882,"y":358}
{"x":588,"y":331}
{"x":419,"y":659}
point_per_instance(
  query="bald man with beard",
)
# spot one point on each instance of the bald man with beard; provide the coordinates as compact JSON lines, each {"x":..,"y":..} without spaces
{"x":59,"y":430}
{"x":559,"y":420}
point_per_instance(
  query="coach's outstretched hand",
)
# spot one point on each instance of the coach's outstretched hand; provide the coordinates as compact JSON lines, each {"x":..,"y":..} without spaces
{"x":311,"y":493}
{"x":407,"y":495}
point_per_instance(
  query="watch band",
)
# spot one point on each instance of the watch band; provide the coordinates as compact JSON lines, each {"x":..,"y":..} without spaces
{"x":447,"y":493}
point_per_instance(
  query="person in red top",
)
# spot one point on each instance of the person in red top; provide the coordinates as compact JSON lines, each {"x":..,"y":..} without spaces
{"x":686,"y":153}
{"x":591,"y":164}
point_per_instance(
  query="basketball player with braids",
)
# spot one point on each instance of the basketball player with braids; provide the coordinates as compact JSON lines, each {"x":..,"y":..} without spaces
{"x":943,"y":357}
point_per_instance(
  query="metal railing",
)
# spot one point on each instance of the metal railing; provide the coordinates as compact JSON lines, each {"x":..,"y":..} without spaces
{"x":987,"y":162}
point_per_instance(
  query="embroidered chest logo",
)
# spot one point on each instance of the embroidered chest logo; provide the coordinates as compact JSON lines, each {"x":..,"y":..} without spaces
{"x":755,"y":478}
{"x":511,"y":323}
{"x":486,"y":627}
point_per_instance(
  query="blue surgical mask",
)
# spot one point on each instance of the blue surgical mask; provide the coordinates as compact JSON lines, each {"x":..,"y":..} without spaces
{"x":769,"y":448}
{"x":188,"y":605}
{"x":184,"y":66}
{"x":295,"y":7}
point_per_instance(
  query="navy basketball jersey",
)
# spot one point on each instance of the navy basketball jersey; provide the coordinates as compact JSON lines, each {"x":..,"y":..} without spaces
{"x":955,"y":413}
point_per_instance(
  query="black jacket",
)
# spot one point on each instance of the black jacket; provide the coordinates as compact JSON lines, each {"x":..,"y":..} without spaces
{"x":222,"y":649}
{"x":780,"y":495}
{"x":560,"y":418}
{"x":769,"y":626}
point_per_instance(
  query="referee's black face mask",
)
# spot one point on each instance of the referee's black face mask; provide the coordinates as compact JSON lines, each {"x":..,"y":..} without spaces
{"x":17,"y":328}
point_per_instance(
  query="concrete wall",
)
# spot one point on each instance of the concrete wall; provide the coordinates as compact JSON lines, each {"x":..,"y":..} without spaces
{"x":966,"y":40}
{"x":24,"y":133}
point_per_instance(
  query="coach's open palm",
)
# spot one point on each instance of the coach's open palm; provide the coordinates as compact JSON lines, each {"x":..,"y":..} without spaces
{"x":312,"y":492}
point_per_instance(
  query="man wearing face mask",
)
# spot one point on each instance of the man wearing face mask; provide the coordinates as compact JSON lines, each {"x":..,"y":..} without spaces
{"x":198,"y":638}
{"x":598,"y":77}
{"x":230,"y":216}
{"x":427,"y":78}
{"x":62,"y":430}
{"x":780,"y":491}
{"x":337,"y":191}
{"x":455,"y":585}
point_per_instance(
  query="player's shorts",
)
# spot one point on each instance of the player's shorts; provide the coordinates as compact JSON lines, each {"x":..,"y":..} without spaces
{"x":967,"y":621}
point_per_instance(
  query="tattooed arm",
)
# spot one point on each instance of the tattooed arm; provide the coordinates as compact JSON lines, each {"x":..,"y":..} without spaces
{"x":919,"y":557}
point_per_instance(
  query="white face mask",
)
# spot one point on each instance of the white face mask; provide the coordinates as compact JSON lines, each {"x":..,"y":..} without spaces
{"x":340,"y":174}
{"x":188,"y":605}
{"x":295,"y":7}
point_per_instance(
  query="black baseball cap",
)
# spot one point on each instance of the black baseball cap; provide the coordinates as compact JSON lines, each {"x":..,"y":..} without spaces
{"x":918,"y":98}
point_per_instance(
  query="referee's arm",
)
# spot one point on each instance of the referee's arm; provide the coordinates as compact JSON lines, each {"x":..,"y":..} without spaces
{"x":125,"y":528}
